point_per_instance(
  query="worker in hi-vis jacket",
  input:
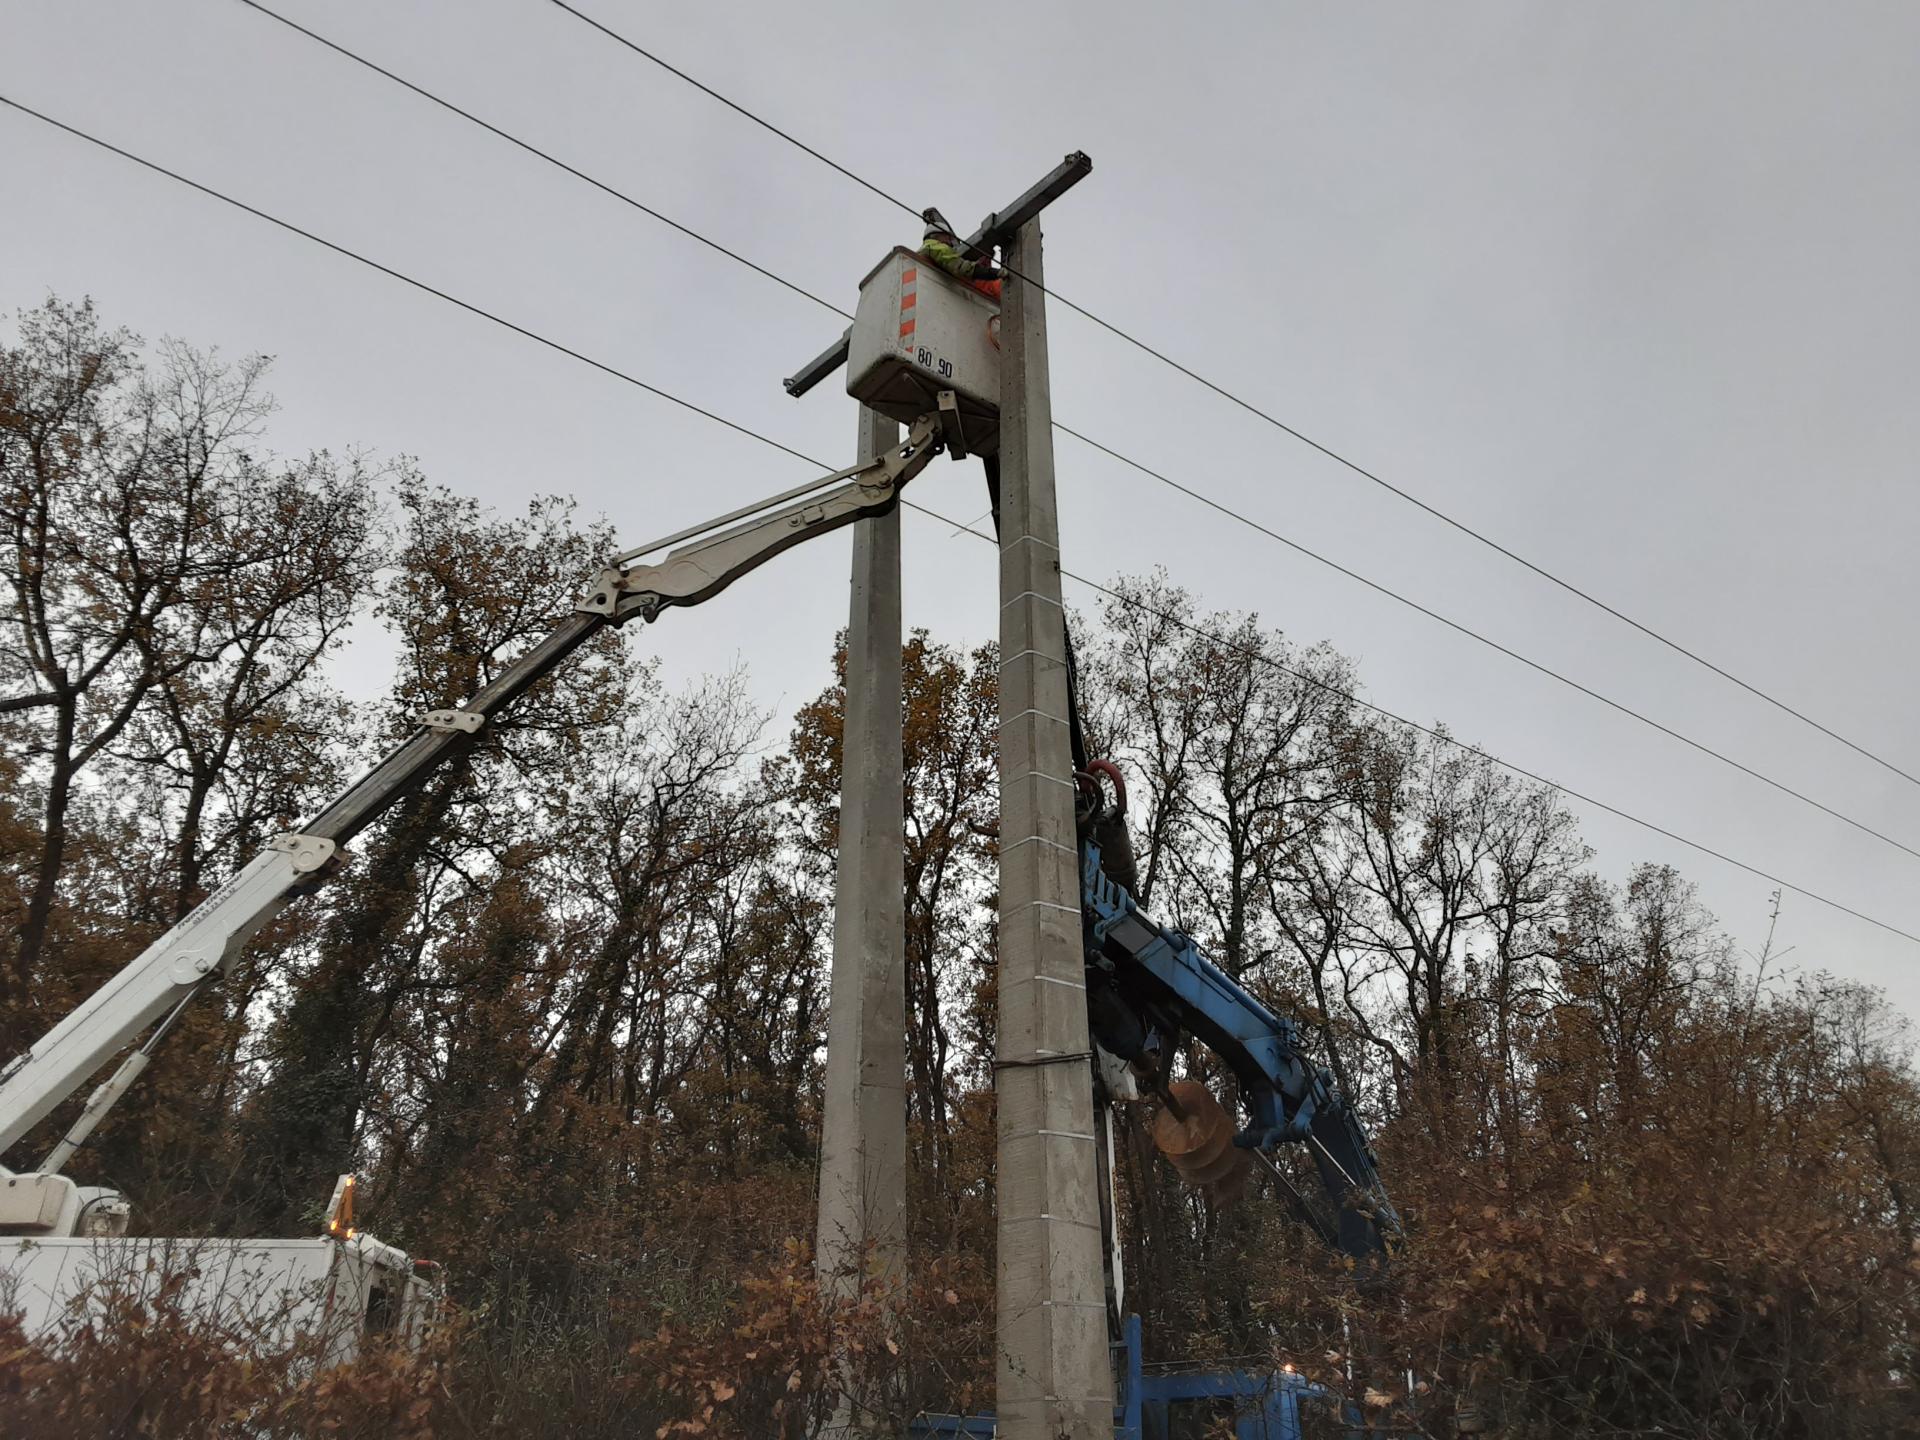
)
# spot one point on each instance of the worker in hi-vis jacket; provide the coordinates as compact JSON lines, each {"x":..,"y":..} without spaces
{"x":943,"y":248}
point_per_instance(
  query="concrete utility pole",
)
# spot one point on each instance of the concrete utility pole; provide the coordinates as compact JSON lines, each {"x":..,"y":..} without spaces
{"x":863,"y":1140}
{"x":1053,"y":1376}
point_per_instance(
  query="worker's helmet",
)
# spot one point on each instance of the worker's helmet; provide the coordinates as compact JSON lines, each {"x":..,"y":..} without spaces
{"x":936,"y":225}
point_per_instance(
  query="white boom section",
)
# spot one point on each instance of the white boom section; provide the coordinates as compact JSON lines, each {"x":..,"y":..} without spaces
{"x":205,"y":945}
{"x":208,"y":940}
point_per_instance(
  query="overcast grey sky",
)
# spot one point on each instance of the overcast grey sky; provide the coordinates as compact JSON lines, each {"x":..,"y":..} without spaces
{"x":1630,"y":287}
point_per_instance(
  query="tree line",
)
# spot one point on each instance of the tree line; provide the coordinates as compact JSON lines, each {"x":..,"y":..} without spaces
{"x":564,"y":1007}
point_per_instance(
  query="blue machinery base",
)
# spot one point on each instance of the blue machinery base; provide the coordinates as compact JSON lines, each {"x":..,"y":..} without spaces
{"x":1265,"y":1405}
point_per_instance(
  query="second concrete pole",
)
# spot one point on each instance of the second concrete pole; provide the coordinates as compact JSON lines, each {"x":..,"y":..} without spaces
{"x":1053,"y":1379}
{"x":863,"y":1140}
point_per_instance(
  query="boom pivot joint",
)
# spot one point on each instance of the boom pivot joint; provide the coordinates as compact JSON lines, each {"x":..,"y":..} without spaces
{"x":721,"y":551}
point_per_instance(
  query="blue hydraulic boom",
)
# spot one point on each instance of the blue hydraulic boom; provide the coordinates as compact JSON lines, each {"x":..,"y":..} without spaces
{"x":1148,"y":986}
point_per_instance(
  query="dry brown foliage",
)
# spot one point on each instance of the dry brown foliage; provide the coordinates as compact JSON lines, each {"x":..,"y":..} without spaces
{"x":564,"y":1008}
{"x":792,"y":1352}
{"x":157,"y":1369}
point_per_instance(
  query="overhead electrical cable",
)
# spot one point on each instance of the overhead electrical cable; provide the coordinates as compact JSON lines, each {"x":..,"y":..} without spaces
{"x":1251,"y":408}
{"x":739,"y":109}
{"x":1492,"y":644}
{"x":1435,"y":733}
{"x":785,"y":449}
{"x":547,"y":156}
{"x":1183,"y":489}
{"x":421,"y":285}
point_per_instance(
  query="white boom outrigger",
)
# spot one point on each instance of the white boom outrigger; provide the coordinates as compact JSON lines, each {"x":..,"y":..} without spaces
{"x":202,"y":948}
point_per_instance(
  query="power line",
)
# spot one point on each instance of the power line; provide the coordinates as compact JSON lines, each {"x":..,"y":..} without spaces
{"x":737,"y":428}
{"x":1281,"y":425}
{"x":551,"y":159}
{"x":738,"y":109}
{"x":1186,"y":490}
{"x":1490,"y":642}
{"x":422,"y":285}
{"x":1431,"y":732}
{"x":1437,"y":734}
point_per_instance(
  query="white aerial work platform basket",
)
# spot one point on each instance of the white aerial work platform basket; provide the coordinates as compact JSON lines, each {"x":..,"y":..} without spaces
{"x":919,"y":331}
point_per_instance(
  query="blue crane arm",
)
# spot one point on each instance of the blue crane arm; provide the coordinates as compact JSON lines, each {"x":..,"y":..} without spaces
{"x":1165,"y":985}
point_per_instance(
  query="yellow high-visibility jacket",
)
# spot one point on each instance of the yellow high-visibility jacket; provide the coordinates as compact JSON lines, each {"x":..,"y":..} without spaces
{"x":956,"y":264}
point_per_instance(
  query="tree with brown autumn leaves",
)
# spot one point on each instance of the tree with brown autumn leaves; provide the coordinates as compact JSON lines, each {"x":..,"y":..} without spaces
{"x":564,"y":1007}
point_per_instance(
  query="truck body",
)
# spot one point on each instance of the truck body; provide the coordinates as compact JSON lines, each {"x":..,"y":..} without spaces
{"x":322,"y":1298}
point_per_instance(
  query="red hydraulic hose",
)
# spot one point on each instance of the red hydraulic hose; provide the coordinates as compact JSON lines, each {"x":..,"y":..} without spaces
{"x":1112,"y":772}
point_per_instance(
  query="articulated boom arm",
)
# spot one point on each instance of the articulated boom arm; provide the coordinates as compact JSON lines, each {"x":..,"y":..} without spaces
{"x":204,"y":946}
{"x":1162,"y":978}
